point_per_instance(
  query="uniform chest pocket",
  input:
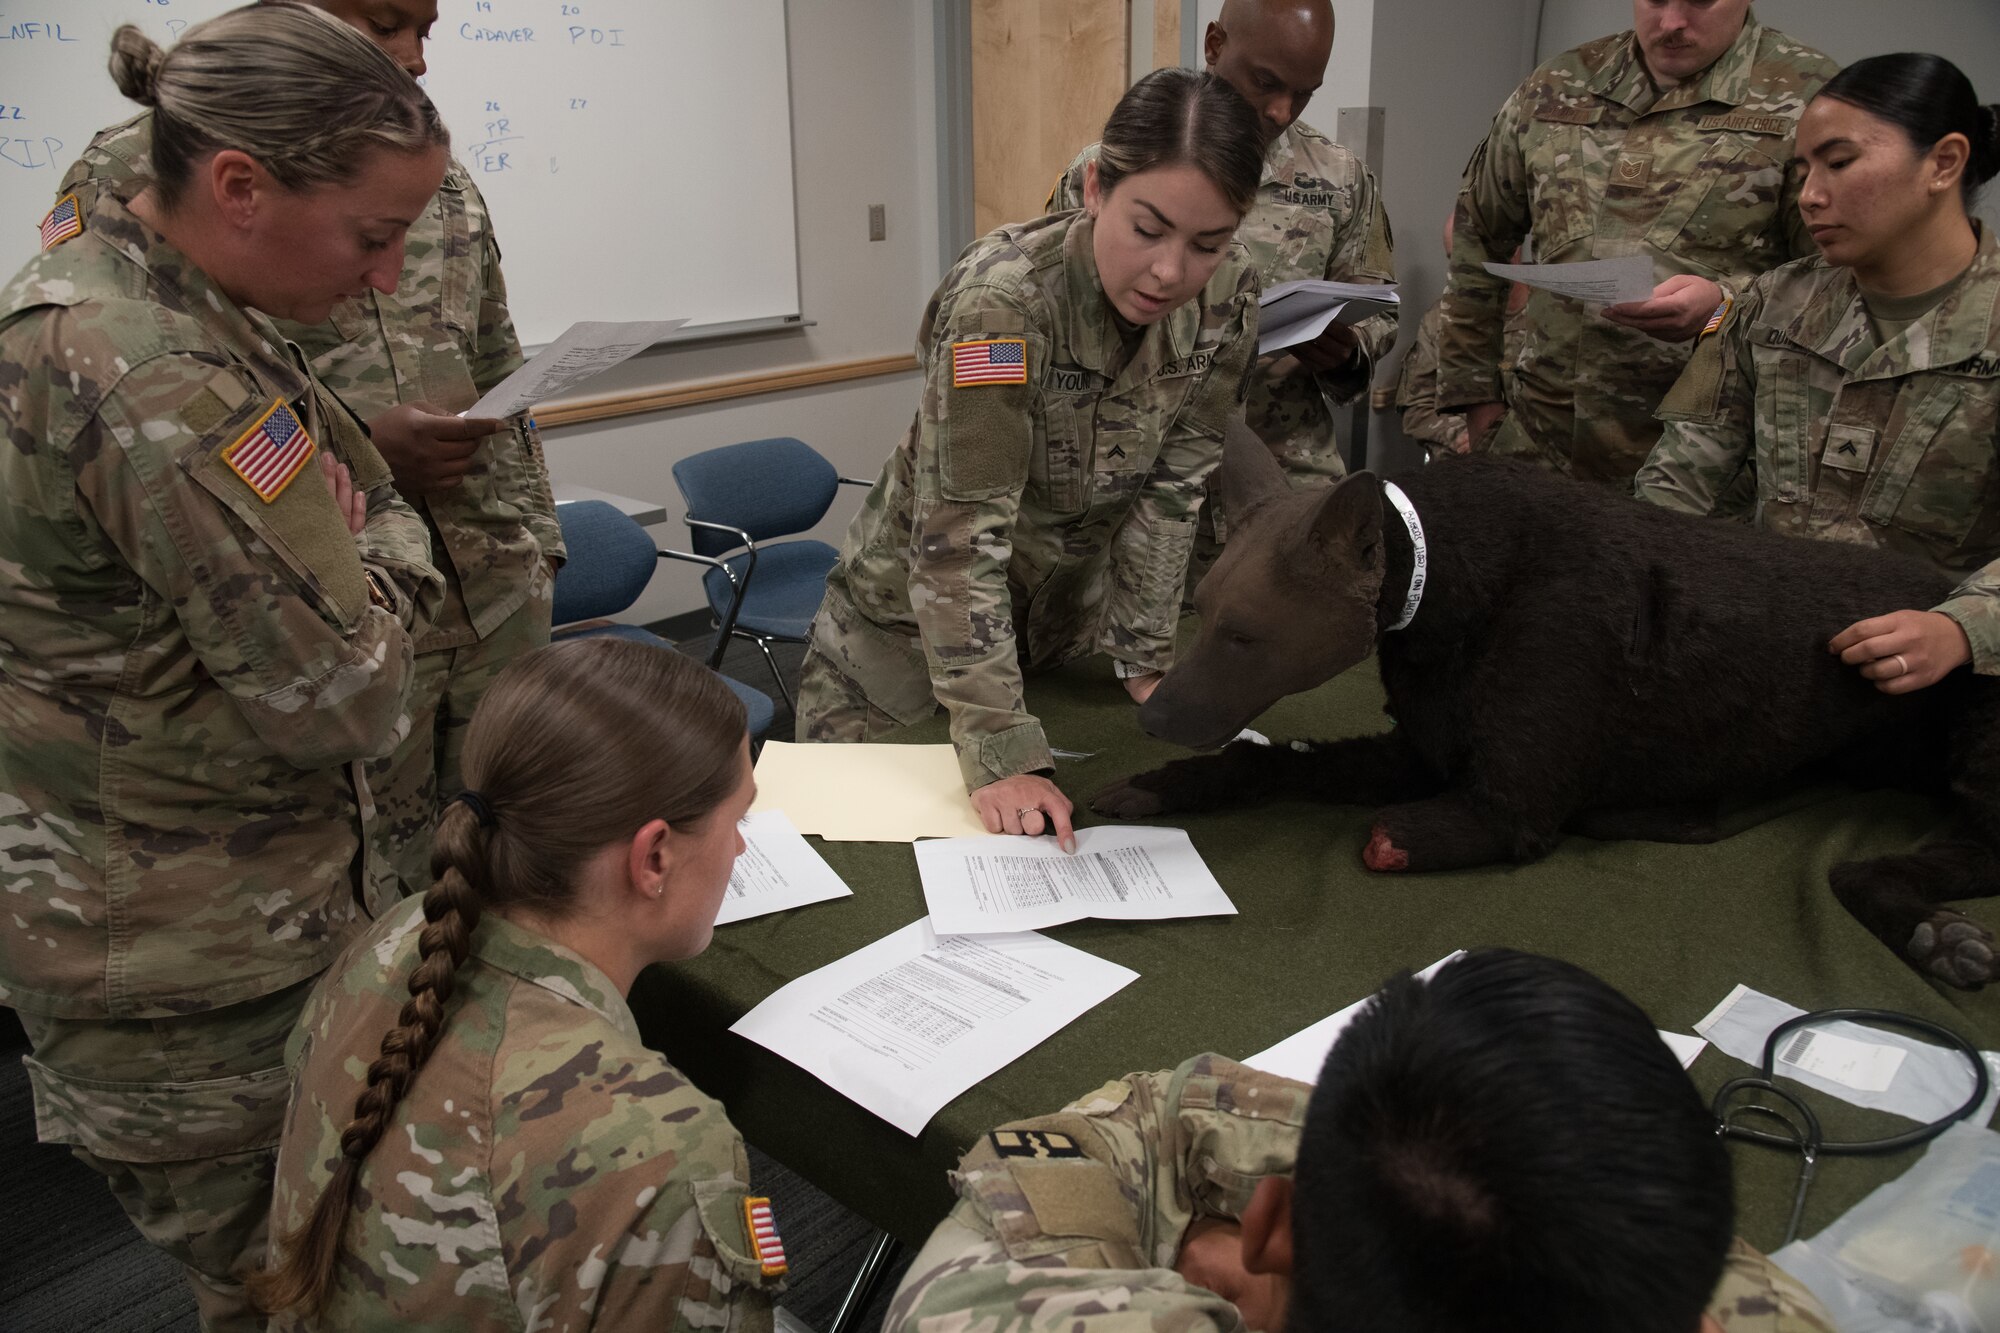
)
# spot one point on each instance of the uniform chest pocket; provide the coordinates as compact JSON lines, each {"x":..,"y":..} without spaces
{"x":1719,"y":215}
{"x":1061,"y":469}
{"x":1938,"y":464}
{"x":1293,"y":242}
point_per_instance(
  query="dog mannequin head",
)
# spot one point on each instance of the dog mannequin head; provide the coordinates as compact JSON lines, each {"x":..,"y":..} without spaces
{"x":1290,"y":604}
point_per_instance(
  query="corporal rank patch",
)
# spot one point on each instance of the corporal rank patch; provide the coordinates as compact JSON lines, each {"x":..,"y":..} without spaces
{"x":64,"y":221}
{"x":270,"y":453}
{"x":763,"y":1231}
{"x":989,"y":361}
{"x":1046,"y":1144}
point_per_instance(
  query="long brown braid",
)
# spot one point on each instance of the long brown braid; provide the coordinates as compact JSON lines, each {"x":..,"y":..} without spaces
{"x":573,"y":748}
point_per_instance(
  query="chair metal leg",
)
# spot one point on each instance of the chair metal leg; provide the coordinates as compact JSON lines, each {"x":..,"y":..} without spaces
{"x":867,"y":1279}
{"x":765,"y":646}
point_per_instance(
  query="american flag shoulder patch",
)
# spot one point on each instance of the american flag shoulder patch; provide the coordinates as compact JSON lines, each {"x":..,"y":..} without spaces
{"x":270,"y":453}
{"x":63,"y":221}
{"x":989,"y":361}
{"x":1716,"y":320}
{"x":763,"y":1232}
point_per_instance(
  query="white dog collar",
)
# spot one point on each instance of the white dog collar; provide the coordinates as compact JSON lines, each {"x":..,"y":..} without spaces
{"x":1419,"y":554}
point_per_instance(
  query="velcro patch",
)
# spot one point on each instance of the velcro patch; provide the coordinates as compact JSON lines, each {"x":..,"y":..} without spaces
{"x":63,"y":221}
{"x":1632,"y":170}
{"x":762,"y":1229}
{"x":271,"y":452}
{"x":1046,"y":1144}
{"x":1748,"y":123}
{"x":1570,"y":115}
{"x":989,"y":361}
{"x":1848,"y":448}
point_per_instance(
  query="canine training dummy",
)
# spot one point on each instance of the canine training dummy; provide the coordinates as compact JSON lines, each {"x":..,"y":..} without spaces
{"x":1571,"y":660}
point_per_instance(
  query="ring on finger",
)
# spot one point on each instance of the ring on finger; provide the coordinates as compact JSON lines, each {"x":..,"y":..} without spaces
{"x":1027,"y":810}
{"x":1901,"y":662}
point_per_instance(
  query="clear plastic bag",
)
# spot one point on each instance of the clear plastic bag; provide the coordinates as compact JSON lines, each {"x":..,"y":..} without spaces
{"x":1919,"y":1255}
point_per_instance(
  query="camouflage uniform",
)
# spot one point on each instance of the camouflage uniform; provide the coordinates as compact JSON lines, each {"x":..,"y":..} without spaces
{"x":1894,"y":445}
{"x":444,"y":338}
{"x":1318,"y":215}
{"x":1071,"y":1223}
{"x":190,"y":669}
{"x":1416,"y":384}
{"x":1602,"y":165}
{"x":1028,"y":524}
{"x":545,"y":1170}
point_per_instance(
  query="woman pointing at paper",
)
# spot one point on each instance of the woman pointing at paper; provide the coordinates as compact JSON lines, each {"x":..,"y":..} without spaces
{"x":1079,"y":370}
{"x":477,"y":1129}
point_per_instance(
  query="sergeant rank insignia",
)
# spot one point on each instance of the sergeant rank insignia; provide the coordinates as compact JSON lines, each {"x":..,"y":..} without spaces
{"x":270,"y":453}
{"x":763,"y":1231}
{"x":989,"y":361}
{"x":1042,"y":1143}
{"x":63,"y":222}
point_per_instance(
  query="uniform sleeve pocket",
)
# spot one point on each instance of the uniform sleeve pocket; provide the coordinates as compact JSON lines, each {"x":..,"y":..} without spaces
{"x":294,"y":515}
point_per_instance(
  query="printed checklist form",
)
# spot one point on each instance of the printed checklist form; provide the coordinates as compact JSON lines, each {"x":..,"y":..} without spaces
{"x":777,"y":870}
{"x":977,"y":886}
{"x":911,"y":1021}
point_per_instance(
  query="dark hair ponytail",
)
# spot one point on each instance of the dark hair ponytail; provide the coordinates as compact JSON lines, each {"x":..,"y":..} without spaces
{"x":1179,"y":117}
{"x":1927,"y":97}
{"x":575,"y":746}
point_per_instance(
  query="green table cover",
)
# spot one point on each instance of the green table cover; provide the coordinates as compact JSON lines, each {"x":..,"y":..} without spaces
{"x":1673,"y":927}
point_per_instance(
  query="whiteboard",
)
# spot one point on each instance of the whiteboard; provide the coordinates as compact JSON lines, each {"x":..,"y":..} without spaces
{"x":636,"y":154}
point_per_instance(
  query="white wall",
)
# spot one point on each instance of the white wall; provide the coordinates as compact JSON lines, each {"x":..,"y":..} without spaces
{"x":1441,"y":68}
{"x":863,"y":132}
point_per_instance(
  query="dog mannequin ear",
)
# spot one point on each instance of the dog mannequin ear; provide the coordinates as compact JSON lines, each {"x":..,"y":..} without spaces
{"x":1349,"y":521}
{"x":1250,"y":472}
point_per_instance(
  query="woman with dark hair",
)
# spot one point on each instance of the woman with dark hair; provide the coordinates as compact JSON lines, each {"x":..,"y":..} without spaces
{"x":1078,"y":373}
{"x":1864,"y":385}
{"x":478,"y":1137}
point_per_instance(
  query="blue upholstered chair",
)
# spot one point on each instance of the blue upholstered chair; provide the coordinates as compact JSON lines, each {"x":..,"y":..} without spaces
{"x":611,"y":560}
{"x":740,"y":498}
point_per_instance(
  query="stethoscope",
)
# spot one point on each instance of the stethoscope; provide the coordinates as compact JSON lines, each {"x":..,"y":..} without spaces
{"x":1803,"y":1134}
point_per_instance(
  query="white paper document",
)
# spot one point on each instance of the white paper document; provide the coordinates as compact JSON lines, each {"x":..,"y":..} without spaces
{"x":979,"y":886}
{"x":1297,"y":312}
{"x":579,"y":353}
{"x":1301,"y":1055}
{"x":867,"y":793}
{"x":778,"y":870}
{"x":914,"y":1019}
{"x":1594,"y":281}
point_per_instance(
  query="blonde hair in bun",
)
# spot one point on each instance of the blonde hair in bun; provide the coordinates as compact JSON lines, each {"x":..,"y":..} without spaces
{"x":135,"y":64}
{"x":294,"y":88}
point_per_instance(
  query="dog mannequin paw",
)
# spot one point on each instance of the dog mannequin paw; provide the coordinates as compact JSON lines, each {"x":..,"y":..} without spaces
{"x":1128,"y":800}
{"x":1954,"y":949}
{"x":1382,"y":853}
